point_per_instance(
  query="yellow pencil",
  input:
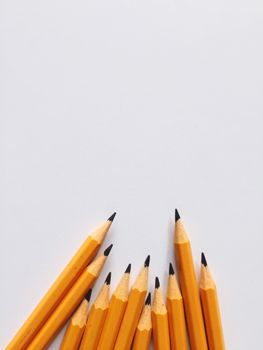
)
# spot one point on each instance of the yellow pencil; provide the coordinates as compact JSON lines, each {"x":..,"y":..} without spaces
{"x":176,"y":317}
{"x":211,"y":309}
{"x":115,"y":313}
{"x":189,"y":287}
{"x":133,"y":309}
{"x":60,"y":287}
{"x":96,"y":318}
{"x":160,"y":320}
{"x":69,"y":303}
{"x":143,"y":333}
{"x":76,"y":326}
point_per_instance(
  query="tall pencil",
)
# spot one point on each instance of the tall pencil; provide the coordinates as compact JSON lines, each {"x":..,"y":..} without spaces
{"x":69,"y":303}
{"x":76,"y":327}
{"x":189,"y":287}
{"x":176,"y":317}
{"x":96,"y":318}
{"x":60,"y":287}
{"x":211,"y":309}
{"x":133,"y":309}
{"x":115,"y":313}
{"x":143,"y":333}
{"x":161,"y":335}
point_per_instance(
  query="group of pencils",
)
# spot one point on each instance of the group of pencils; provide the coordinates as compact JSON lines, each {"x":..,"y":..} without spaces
{"x":127,"y":320}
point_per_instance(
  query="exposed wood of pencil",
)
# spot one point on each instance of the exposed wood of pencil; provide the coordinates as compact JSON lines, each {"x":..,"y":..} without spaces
{"x":161,"y":335}
{"x":96,"y":318}
{"x":143,"y":333}
{"x":76,"y":327}
{"x":176,"y":317}
{"x":115,"y":313}
{"x":211,"y":309}
{"x":60,"y":287}
{"x":133,"y":309}
{"x":189,"y":287}
{"x":69,"y":303}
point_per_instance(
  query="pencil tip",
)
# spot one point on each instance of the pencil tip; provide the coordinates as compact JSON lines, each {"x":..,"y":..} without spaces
{"x":177,"y":216}
{"x":148,"y":299}
{"x":128,"y":269}
{"x":108,"y":278}
{"x":171,"y":269}
{"x":157,"y":283}
{"x":107,"y":250}
{"x":88,"y":295}
{"x":111,"y":218}
{"x":147,"y":261}
{"x":203,"y":259}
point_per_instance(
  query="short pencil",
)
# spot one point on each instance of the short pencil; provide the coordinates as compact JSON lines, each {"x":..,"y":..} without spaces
{"x":176,"y":317}
{"x":143,"y":333}
{"x":211,"y":309}
{"x":161,"y":335}
{"x":133,"y":309}
{"x":76,"y":327}
{"x":115,"y":313}
{"x":96,"y":318}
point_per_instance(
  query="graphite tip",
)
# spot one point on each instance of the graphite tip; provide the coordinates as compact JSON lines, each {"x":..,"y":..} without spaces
{"x":147,"y":261}
{"x":111,"y":218}
{"x":107,"y":250}
{"x":88,"y":295}
{"x":203,"y":259}
{"x":108,"y":278}
{"x":171,"y":269}
{"x":177,"y":216}
{"x":128,"y":269}
{"x":157,"y":283}
{"x":148,"y":299}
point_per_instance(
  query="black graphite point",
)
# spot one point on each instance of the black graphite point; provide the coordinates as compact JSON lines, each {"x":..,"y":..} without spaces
{"x":128,"y":270}
{"x":157,"y":283}
{"x":147,"y":261}
{"x":107,"y":250}
{"x":177,"y":216}
{"x":108,"y":278}
{"x":171,"y":269}
{"x":148,"y":299}
{"x":111,"y":218}
{"x":203,"y":259}
{"x":88,"y":295}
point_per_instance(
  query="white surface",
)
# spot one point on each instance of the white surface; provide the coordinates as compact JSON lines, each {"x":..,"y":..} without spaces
{"x":138,"y":107}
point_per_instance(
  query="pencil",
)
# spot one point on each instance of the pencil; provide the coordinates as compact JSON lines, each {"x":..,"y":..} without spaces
{"x":161,"y":336}
{"x":69,"y":303}
{"x":115,"y":313}
{"x":211,"y":311}
{"x":96,"y":318}
{"x":189,"y":287}
{"x":176,"y":317}
{"x":144,"y":329}
{"x":60,"y":287}
{"x":133,"y":309}
{"x":76,"y":326}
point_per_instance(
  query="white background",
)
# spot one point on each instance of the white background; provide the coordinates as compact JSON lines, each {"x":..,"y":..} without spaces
{"x":139,"y":107}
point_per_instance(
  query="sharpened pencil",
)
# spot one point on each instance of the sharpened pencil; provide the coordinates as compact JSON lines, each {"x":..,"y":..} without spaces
{"x":76,"y":327}
{"x":69,"y":303}
{"x":115,"y":313}
{"x":60,"y":287}
{"x":96,"y":318}
{"x":189,"y":286}
{"x":133,"y":309}
{"x":211,"y":311}
{"x":143,"y":333}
